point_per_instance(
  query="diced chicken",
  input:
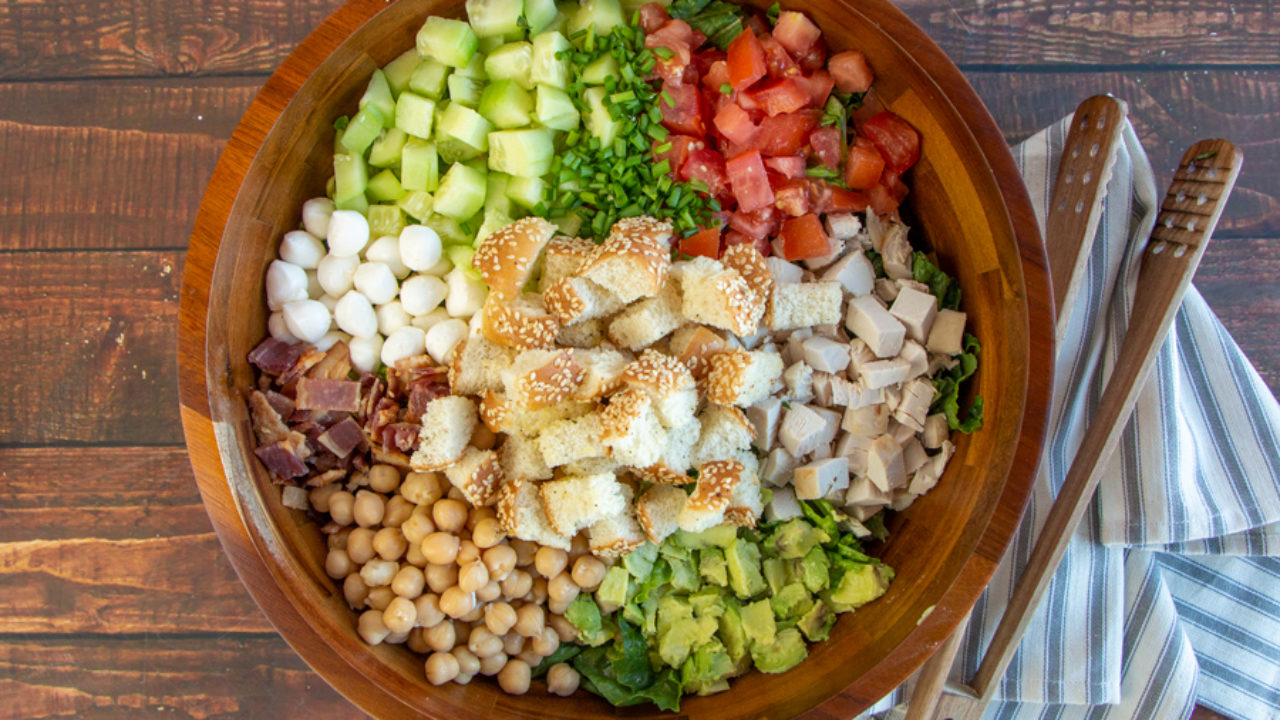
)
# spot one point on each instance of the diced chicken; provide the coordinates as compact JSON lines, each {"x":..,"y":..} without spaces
{"x":817,"y":479}
{"x":793,"y":351}
{"x":896,"y":252}
{"x":783,"y":271}
{"x":901,"y":500}
{"x":777,"y":467}
{"x":864,"y":493}
{"x":799,"y":382}
{"x":935,"y":432}
{"x":869,"y":321}
{"x":904,"y":283}
{"x":884,"y":463}
{"x":868,"y":421}
{"x":859,"y":355}
{"x":853,"y":272}
{"x":804,"y":428}
{"x":783,"y":506}
{"x":887,"y":290}
{"x":916,"y":310}
{"x":825,"y":354}
{"x":863,"y":396}
{"x":915,"y":355}
{"x":923,"y":480}
{"x":884,"y":373}
{"x":764,"y":417}
{"x":821,"y":261}
{"x":822,"y":389}
{"x":913,"y":409}
{"x":901,"y":433}
{"x":914,"y":456}
{"x":947,"y":333}
{"x":844,"y":393}
{"x":855,"y":448}
{"x":843,"y":226}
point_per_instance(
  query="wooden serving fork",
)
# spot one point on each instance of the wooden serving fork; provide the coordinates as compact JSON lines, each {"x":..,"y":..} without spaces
{"x":1189,"y":213}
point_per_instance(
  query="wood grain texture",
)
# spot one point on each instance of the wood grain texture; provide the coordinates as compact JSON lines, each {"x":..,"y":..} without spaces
{"x":156,"y":676}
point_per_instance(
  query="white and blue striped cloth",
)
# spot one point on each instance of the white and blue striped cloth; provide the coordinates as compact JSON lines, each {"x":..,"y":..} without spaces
{"x":1169,"y":593}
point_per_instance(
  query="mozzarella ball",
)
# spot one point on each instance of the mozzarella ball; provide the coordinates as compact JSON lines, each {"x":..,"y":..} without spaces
{"x":301,"y":248}
{"x":419,"y":247}
{"x":277,"y":328}
{"x":336,"y":274}
{"x":365,"y":352}
{"x":286,"y":283}
{"x":421,"y":294}
{"x":308,"y":320}
{"x":330,"y":339}
{"x":315,"y":216}
{"x":314,"y":291}
{"x":392,"y":317}
{"x":328,"y":301}
{"x":443,"y":337}
{"x":354,"y":314}
{"x":404,"y":343}
{"x":386,"y":250}
{"x":375,"y":281}
{"x":431,"y":319}
{"x":348,"y":233}
{"x":443,"y":266}
{"x":466,"y":296}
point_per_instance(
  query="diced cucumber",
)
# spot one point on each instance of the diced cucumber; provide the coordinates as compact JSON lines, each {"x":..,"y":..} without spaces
{"x":461,"y":193}
{"x":473,"y":69}
{"x":548,"y":69}
{"x":387,"y":148}
{"x":449,"y":230}
{"x":495,"y":17}
{"x":419,"y":166}
{"x":417,"y":204}
{"x":489,"y":44}
{"x":452,"y":42}
{"x":350,"y":177}
{"x":461,"y":134}
{"x":494,"y":220}
{"x":539,"y":14}
{"x":527,"y":192}
{"x":359,"y":203}
{"x":506,"y":104}
{"x":399,"y":71}
{"x":554,"y":109}
{"x":598,"y":121}
{"x":513,"y":61}
{"x":568,"y":224}
{"x":384,"y":187}
{"x":378,"y":94}
{"x":604,"y":15}
{"x":495,"y":197}
{"x":363,"y":129}
{"x":329,"y":186}
{"x":464,"y":90}
{"x":597,"y":70}
{"x":385,"y":220}
{"x":414,"y":114}
{"x":526,"y":153}
{"x":460,"y":256}
{"x":428,"y":78}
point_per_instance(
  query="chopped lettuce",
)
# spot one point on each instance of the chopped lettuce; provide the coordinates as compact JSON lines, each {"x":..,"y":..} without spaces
{"x":947,"y":386}
{"x":943,"y":286}
{"x":720,"y":21}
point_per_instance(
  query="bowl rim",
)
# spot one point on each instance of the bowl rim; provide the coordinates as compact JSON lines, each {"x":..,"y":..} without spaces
{"x":233,"y":520}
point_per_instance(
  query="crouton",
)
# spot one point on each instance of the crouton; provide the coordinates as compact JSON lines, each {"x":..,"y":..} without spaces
{"x":562,"y":258}
{"x":676,"y":458}
{"x":657,"y":511}
{"x":522,"y":515}
{"x":705,"y":507}
{"x":616,"y":535}
{"x":565,"y":441}
{"x":631,"y":429}
{"x":718,"y":296}
{"x":602,"y":369}
{"x":669,"y":384}
{"x":746,"y":503}
{"x":742,"y":378}
{"x":633,"y":262}
{"x":693,"y":345}
{"x":750,"y":264}
{"x":507,"y":257}
{"x":725,"y":432}
{"x":589,"y":466}
{"x":540,"y":378}
{"x":576,"y":299}
{"x":478,"y":475}
{"x":798,"y":305}
{"x":585,"y":334}
{"x":648,"y":321}
{"x":476,"y":364}
{"x":447,"y":425}
{"x":521,"y":323}
{"x":521,"y":457}
{"x":577,"y":501}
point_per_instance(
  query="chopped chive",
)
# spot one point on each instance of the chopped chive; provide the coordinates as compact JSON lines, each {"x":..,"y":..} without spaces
{"x":726,"y":88}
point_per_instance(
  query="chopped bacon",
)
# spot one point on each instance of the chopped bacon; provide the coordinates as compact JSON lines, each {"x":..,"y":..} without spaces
{"x":274,"y":356}
{"x":286,"y":458}
{"x":384,"y":413}
{"x":326,"y":477}
{"x":342,"y":437}
{"x":323,"y":394}
{"x":283,"y":405}
{"x":310,"y":357}
{"x":422,"y":392}
{"x":336,"y":364}
{"x":401,"y":436}
{"x":372,"y":390}
{"x":268,"y":426}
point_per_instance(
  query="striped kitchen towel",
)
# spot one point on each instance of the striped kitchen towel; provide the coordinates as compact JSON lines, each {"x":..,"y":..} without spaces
{"x":1169,"y":593}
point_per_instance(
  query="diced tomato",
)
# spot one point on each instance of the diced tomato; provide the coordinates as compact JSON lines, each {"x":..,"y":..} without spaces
{"x":815,"y":58}
{"x":851,"y":71}
{"x":818,"y":85}
{"x":781,"y":96}
{"x":863,"y":166}
{"x":827,"y":198}
{"x":825,"y":142}
{"x":791,"y":166}
{"x":746,"y":60}
{"x":796,"y":31}
{"x":677,"y":37}
{"x":893,"y":183}
{"x":793,"y":197}
{"x":703,"y":61}
{"x":652,"y":16}
{"x":881,"y":201}
{"x":681,"y":146}
{"x":734,"y":123}
{"x":786,"y":134}
{"x":778,"y":63}
{"x":803,"y":237}
{"x":717,"y":74}
{"x":709,"y":167}
{"x":705,"y":243}
{"x":749,"y":182}
{"x":897,"y":141}
{"x":756,"y":24}
{"x":756,"y":224}
{"x":733,"y":237}
{"x":686,"y":116}
{"x":698,"y":38}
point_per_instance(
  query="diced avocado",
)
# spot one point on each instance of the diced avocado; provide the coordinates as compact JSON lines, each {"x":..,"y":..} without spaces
{"x":817,"y":623}
{"x":672,"y":608}
{"x":419,"y":165}
{"x":428,"y":78}
{"x":350,"y":177}
{"x":449,"y":230}
{"x":386,"y":150}
{"x":639,"y":562}
{"x":385,"y":220}
{"x":527,"y":192}
{"x":711,"y":566}
{"x":513,"y":61}
{"x":384,"y":187}
{"x":495,"y":17}
{"x":526,"y":153}
{"x":461,"y":192}
{"x":684,"y":574}
{"x":758,"y":622}
{"x":506,"y":104}
{"x":720,"y":536}
{"x":495,"y":197}
{"x":363,"y":129}
{"x":707,"y":602}
{"x":603,"y":15}
{"x":461,"y":134}
{"x":452,"y":42}
{"x":775,"y":573}
{"x":731,"y":632}
{"x":400,"y":70}
{"x":416,"y":204}
{"x":598,"y":120}
{"x":494,"y":220}
{"x":599,"y":70}
{"x":792,"y":602}
{"x":707,"y":668}
{"x":794,"y":539}
{"x":548,"y":68}
{"x":415,"y":114}
{"x":784,"y":653}
{"x":813,"y":570}
{"x":584,"y":614}
{"x":613,"y":589}
{"x":743,"y":561}
{"x":677,"y":641}
{"x":539,"y":14}
{"x":568,"y":224}
{"x":861,"y":584}
{"x":378,"y":94}
{"x":464,"y":90}
{"x":554,"y":109}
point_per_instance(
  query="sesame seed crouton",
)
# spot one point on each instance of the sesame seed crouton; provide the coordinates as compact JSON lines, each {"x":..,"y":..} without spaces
{"x":478,"y":475}
{"x":540,"y":378}
{"x":520,"y":456}
{"x":576,"y":299}
{"x":447,"y":425}
{"x":800,"y":305}
{"x":657,"y":510}
{"x":577,"y":501}
{"x":718,"y":296}
{"x":496,"y":413}
{"x":475,"y":366}
{"x":746,"y":504}
{"x":589,"y":466}
{"x":562,"y":258}
{"x":521,"y":323}
{"x":619,"y":534}
{"x":634,"y":260}
{"x":522,"y":515}
{"x":742,"y":378}
{"x":566,"y":441}
{"x":669,"y":384}
{"x":693,"y":345}
{"x":705,"y":507}
{"x":631,"y":429}
{"x":602,"y":371}
{"x":750,"y":264}
{"x":585,"y":334}
{"x":506,"y":258}
{"x":725,"y":432}
{"x":647,"y":321}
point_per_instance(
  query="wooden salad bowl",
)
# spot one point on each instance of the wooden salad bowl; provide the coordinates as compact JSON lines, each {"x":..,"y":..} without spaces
{"x":967,"y":203}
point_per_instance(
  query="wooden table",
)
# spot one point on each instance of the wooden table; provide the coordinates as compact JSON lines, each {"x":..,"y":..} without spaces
{"x":115,"y":598}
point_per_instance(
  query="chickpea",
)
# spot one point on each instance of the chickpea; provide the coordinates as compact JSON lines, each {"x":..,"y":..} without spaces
{"x":441,"y":637}
{"x":456,"y":494}
{"x":441,"y":577}
{"x":371,"y":627}
{"x":396,"y":638}
{"x":421,"y":488}
{"x":579,"y":547}
{"x":379,"y":573}
{"x":418,"y":525}
{"x":417,"y":642}
{"x":455,"y":602}
{"x":488,"y":533}
{"x":341,"y":506}
{"x":500,"y":617}
{"x":468,"y":663}
{"x":562,"y":680}
{"x":408,"y":582}
{"x":319,"y":497}
{"x":337,"y":564}
{"x":440,"y":548}
{"x":473,"y":576}
{"x":484,"y":643}
{"x":530,"y":620}
{"x":512,"y":644}
{"x":369,"y":508}
{"x":389,"y":543}
{"x":525,"y":551}
{"x":400,"y":615}
{"x":538,"y":590}
{"x":588,"y":572}
{"x":493,"y":664}
{"x":490,"y":592}
{"x":379,"y":598}
{"x":550,"y":562}
{"x":428,"y":609}
{"x":514,"y":677}
{"x":545,"y":642}
{"x":483,"y":438}
{"x":463,"y":679}
{"x":360,"y":545}
{"x":413,"y":555}
{"x":354,"y":591}
{"x":441,"y":668}
{"x":500,"y":560}
{"x":467,"y":552}
{"x":476,"y":615}
{"x":516,"y":584}
{"x":449,"y":514}
{"x":563,"y":628}
{"x":561,"y":590}
{"x":398,"y":510}
{"x":384,"y":478}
